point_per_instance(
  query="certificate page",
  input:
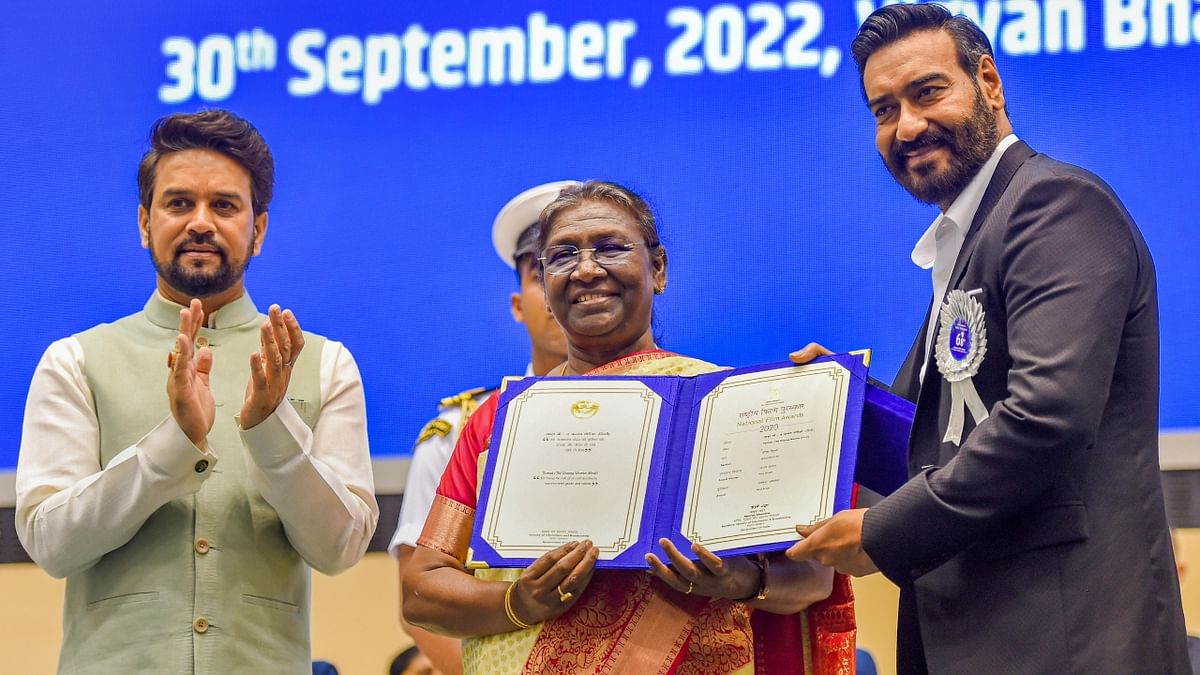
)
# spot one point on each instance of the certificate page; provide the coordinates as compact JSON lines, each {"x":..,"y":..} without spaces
{"x":573,"y":463}
{"x":766,"y":455}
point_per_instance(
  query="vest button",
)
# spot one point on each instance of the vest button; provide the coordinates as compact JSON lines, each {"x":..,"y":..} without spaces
{"x":202,"y":466}
{"x":202,"y":546}
{"x":200,"y":624}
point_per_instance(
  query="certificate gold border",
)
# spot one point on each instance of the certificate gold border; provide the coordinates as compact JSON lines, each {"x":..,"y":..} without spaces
{"x":833,"y":451}
{"x":637,"y":489}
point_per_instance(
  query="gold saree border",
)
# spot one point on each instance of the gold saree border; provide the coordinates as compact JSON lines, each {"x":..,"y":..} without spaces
{"x":628,"y":361}
{"x":448,"y":528}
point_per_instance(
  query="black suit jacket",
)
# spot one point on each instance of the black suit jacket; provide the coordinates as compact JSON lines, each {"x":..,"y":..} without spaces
{"x":1040,"y":545}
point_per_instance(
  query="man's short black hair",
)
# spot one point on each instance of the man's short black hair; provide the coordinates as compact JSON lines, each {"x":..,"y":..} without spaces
{"x":527,"y":252}
{"x":218,"y":130}
{"x":403,"y":659}
{"x":893,"y":23}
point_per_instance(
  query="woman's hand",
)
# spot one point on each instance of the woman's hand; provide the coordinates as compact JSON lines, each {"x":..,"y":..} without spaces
{"x":554,"y":582}
{"x":734,"y":578}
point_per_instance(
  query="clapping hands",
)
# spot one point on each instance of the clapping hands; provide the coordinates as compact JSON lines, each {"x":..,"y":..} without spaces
{"x":271,"y":367}
{"x":188,"y":392}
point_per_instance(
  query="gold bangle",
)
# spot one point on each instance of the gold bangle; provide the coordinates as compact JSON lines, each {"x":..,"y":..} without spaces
{"x":762,"y":563}
{"x":512,"y":616}
{"x":765,"y":565}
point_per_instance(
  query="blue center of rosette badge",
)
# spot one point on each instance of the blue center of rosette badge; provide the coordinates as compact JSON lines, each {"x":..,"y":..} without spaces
{"x":960,"y":339}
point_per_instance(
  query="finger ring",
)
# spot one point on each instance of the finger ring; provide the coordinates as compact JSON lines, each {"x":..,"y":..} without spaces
{"x":691,"y":587}
{"x":171,"y":356}
{"x":286,"y":365}
{"x":563,"y":596}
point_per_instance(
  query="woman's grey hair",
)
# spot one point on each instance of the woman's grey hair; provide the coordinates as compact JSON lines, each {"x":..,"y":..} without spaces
{"x":600,"y":191}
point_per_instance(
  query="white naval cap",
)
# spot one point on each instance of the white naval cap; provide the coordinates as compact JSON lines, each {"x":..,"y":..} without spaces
{"x":519,"y":213}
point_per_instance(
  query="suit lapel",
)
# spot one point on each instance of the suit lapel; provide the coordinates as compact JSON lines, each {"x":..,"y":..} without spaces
{"x":1012,"y":160}
{"x":927,"y":399}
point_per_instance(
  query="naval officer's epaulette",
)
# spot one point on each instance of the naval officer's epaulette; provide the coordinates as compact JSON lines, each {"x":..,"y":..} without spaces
{"x":463,"y":399}
{"x":466,"y":401}
{"x":436,"y":427}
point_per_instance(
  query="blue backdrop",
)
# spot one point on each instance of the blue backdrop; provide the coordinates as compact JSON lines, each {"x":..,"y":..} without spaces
{"x":399,"y":130}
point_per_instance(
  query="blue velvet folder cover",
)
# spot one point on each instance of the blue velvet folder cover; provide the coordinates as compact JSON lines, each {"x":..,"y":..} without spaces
{"x":874,"y":443}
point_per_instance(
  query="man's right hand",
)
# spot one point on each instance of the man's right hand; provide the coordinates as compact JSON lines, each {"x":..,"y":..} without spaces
{"x":810,"y":352}
{"x":187,"y":384}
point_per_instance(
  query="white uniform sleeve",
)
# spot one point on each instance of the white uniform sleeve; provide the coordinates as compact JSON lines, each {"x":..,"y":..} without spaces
{"x":429,"y":461}
{"x":70,"y":510}
{"x":319,"y":480}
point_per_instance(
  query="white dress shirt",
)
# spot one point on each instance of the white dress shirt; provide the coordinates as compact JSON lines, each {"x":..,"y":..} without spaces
{"x":939,"y":246}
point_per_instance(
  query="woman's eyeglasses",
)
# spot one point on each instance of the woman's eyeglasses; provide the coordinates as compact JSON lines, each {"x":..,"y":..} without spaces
{"x":564,"y":258}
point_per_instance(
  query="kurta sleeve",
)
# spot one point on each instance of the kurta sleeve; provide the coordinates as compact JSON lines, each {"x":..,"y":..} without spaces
{"x":319,"y":480}
{"x":70,"y":509}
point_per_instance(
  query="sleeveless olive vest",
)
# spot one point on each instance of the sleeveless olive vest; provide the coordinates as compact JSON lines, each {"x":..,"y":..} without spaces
{"x":210,"y":583}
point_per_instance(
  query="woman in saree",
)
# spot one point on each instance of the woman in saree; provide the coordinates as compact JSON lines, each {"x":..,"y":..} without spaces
{"x":602,"y":265}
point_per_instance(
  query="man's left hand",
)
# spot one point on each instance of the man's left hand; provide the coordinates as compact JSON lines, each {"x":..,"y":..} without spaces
{"x":271,"y":368}
{"x":835,"y":542}
{"x":810,"y":351}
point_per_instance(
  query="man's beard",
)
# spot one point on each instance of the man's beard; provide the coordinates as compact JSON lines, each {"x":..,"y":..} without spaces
{"x":199,"y":283}
{"x":970,"y":143}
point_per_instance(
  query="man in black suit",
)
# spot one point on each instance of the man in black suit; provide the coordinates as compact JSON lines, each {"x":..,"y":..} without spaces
{"x":1032,"y":535}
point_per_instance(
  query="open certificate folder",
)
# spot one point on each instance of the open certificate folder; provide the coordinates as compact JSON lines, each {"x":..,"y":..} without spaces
{"x":733,"y":460}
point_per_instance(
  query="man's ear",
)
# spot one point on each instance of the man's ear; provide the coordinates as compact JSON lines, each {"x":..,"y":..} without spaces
{"x":518,"y":314}
{"x":990,"y":85}
{"x":260,"y":231}
{"x":144,"y":225}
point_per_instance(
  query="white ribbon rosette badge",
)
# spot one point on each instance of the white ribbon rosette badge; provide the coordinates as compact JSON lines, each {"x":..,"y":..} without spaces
{"x":961,"y":344}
